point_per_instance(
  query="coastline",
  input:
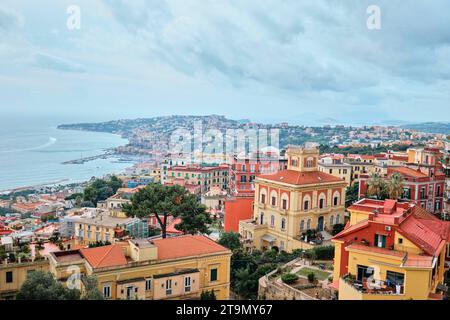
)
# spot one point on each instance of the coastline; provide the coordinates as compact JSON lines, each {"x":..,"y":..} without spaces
{"x":33,"y":170}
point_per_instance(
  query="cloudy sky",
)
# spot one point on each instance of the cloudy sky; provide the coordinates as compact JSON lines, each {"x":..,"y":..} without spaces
{"x":267,"y":60}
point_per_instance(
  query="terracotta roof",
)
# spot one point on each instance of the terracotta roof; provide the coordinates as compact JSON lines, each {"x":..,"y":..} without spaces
{"x":427,"y":236}
{"x":106,"y":256}
{"x":376,"y":250}
{"x":351,"y":229}
{"x":300,"y":178}
{"x":171,"y":228}
{"x":418,"y":261}
{"x":409,"y":172}
{"x":186,"y":246}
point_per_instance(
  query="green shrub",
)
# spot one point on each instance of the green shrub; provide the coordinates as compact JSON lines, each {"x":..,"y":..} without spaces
{"x":289,"y":278}
{"x":311,"y":277}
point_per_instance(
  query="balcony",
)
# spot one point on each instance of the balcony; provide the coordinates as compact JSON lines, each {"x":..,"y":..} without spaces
{"x":352,"y":289}
{"x":251,"y":225}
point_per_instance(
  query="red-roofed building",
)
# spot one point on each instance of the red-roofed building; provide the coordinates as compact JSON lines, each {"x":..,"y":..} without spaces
{"x":418,"y":187}
{"x":243,"y":172}
{"x":390,"y":250}
{"x":174,"y":268}
{"x":290,"y":202}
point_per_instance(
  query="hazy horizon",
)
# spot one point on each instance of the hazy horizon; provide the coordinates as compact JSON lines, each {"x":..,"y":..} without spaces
{"x":301,"y":62}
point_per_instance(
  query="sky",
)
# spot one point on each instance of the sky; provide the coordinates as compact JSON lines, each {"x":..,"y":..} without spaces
{"x":266,"y":60}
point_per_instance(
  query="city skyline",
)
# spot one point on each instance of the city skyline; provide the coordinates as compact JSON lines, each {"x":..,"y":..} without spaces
{"x":313,"y":62}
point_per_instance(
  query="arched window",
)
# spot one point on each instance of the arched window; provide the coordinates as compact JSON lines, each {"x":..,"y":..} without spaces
{"x":283,"y":224}
{"x":309,"y":162}
{"x":272,"y":220}
{"x":273,"y":198}
{"x":263,"y":195}
{"x":284,"y":201}
{"x":337,"y":219}
{"x":322,"y":199}
{"x":261,"y":218}
{"x":331,"y":220}
{"x":302,"y":225}
{"x":308,"y":224}
{"x":306,"y":205}
{"x":336,"y":198}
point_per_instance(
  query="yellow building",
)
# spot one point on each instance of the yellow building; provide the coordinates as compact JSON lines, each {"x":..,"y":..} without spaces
{"x":361,"y":165}
{"x":391,"y":251}
{"x":173,"y":268}
{"x":13,"y":275}
{"x":290,"y":202}
{"x":336,"y":168}
{"x":92,"y":225}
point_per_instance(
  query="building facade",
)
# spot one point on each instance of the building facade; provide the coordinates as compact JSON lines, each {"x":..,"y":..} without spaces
{"x":174,"y":268}
{"x":391,"y":251}
{"x":293,"y":201}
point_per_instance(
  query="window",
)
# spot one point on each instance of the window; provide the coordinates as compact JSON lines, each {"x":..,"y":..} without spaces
{"x":272,"y":220}
{"x":321,"y":203}
{"x":380,"y":241}
{"x":400,"y":240}
{"x":308,"y":224}
{"x":406,"y":193}
{"x":438,"y":191}
{"x":422,"y":193}
{"x":187,"y":284}
{"x":364,"y":272}
{"x":284,"y":205}
{"x":274,"y":201}
{"x":306,"y":205}
{"x":9,"y":277}
{"x":148,"y":284}
{"x":168,"y":287}
{"x":331,"y":220}
{"x":281,"y":245}
{"x":337,"y":219}
{"x":261,"y":218}
{"x":107,"y":291}
{"x":395,"y":278}
{"x":302,"y":225}
{"x":335,"y":201}
{"x":263,"y":198}
{"x":283,"y":224}
{"x":243,"y":179}
{"x":213,"y":275}
{"x":331,"y":171}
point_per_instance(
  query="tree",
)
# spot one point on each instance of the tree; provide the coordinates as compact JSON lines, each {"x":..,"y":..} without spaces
{"x":351,"y":194}
{"x":230,"y":240}
{"x":375,"y":185}
{"x":208,"y":295}
{"x":162,"y":201}
{"x":101,"y":190}
{"x":245,"y":285}
{"x":395,"y":186}
{"x":92,"y":292}
{"x":42,"y":286}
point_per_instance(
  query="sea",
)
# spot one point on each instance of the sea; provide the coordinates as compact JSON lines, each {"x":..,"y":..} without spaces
{"x":32,"y":151}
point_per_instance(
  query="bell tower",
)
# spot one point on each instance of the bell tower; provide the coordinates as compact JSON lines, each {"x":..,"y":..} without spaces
{"x":303,"y":159}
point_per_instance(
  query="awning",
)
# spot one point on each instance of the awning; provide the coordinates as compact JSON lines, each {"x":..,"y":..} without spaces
{"x":268,"y":238}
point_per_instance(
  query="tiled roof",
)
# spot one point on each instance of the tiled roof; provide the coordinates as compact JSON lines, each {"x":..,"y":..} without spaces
{"x":186,"y":246}
{"x":424,"y":233}
{"x":409,"y":172}
{"x":351,"y":229}
{"x":106,"y":256}
{"x":376,"y":250}
{"x":300,"y":178}
{"x":418,"y":261}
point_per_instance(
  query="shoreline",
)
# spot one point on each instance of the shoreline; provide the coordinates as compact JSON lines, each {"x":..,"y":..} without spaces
{"x":64,"y":182}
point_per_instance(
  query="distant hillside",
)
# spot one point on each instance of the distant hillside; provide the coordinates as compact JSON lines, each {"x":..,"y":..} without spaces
{"x":430,"y":127}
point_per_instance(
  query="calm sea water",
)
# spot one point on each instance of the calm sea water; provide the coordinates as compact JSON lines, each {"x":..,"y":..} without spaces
{"x":32,"y":151}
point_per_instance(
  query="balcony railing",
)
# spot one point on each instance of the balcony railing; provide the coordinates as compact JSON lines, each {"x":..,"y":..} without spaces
{"x":373,"y":286}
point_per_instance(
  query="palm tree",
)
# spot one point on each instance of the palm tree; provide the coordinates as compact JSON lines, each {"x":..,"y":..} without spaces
{"x":395,"y":186}
{"x":375,"y":185}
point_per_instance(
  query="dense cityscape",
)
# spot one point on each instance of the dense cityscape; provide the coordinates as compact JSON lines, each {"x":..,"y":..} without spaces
{"x":173,"y":227}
